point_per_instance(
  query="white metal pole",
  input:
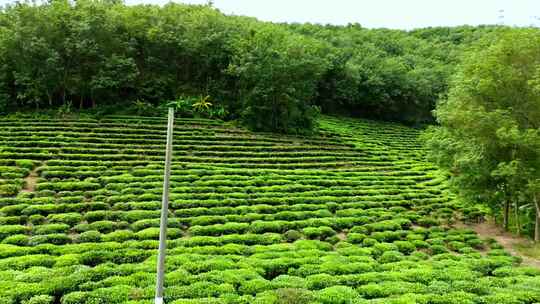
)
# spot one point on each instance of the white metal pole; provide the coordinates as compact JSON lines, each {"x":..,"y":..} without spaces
{"x":164,"y":212}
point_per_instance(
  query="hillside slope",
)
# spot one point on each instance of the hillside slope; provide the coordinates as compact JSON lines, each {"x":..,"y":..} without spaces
{"x":353,"y":215}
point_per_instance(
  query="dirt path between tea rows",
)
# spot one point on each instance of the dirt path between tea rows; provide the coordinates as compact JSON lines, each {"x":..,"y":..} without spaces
{"x":506,"y":239}
{"x":30,"y":181}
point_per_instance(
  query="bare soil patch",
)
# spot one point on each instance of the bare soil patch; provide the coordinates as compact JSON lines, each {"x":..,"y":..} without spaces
{"x":342,"y":236}
{"x":506,"y":239}
{"x":30,"y":181}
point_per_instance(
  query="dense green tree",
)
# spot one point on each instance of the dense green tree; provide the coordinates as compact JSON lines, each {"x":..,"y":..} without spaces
{"x":277,"y":74}
{"x":489,"y":137}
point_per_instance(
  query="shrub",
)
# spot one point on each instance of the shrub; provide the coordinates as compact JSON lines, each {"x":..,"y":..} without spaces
{"x":386,"y":236}
{"x":294,"y":296}
{"x":42,"y":299}
{"x":439,"y":287}
{"x":54,"y":238}
{"x":25,"y":163}
{"x":368,"y":242}
{"x":9,"y":230}
{"x":67,"y":260}
{"x":129,"y":256}
{"x":466,"y":250}
{"x":415,"y":237}
{"x":70,"y":219}
{"x":36,"y":219}
{"x":418,"y":256}
{"x":292,"y":235}
{"x":428,"y":222}
{"x":9,"y":190}
{"x":373,"y":290}
{"x":68,"y":186}
{"x":502,"y":297}
{"x":113,"y":295}
{"x":23,"y":262}
{"x":311,"y":232}
{"x":475,"y":243}
{"x":201,"y":290}
{"x":456,"y":246}
{"x":101,"y":226}
{"x":359,"y":229}
{"x":151,"y":233}
{"x":95,"y":257}
{"x":390,"y":257}
{"x":487,"y":265}
{"x":224,"y":300}
{"x":119,"y":236}
{"x":356,"y":238}
{"x":219,"y":229}
{"x":438,"y":249}
{"x":326,"y":232}
{"x":94,"y":216}
{"x":420,"y":244}
{"x":91,"y":236}
{"x":50,"y":228}
{"x":143,"y":224}
{"x":43,"y":209}
{"x":81,"y":228}
{"x":262,"y":227}
{"x":320,"y":281}
{"x":18,"y":239}
{"x":341,"y":267}
{"x":395,"y":224}
{"x":405,"y":247}
{"x":337,"y":295}
{"x":380,"y":248}
{"x":255,"y":286}
{"x":333,"y":239}
{"x":318,"y":232}
{"x":12,"y":220}
{"x":137,"y":215}
{"x":289,"y":282}
{"x":77,"y":297}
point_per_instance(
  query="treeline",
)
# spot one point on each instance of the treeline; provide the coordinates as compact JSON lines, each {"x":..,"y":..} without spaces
{"x":273,"y":77}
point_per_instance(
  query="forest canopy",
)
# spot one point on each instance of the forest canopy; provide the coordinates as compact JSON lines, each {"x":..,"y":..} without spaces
{"x":273,"y":77}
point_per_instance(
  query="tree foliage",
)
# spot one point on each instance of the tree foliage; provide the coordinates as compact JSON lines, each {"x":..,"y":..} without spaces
{"x":274,"y":77}
{"x":278,"y":74}
{"x":489,"y":137}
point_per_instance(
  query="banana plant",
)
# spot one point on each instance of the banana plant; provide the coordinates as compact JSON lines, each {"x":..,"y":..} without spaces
{"x":203,"y":105}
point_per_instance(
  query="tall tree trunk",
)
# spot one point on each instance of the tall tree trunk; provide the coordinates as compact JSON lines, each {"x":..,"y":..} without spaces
{"x":516,"y":215}
{"x":92,"y":99}
{"x":505,"y":215}
{"x":81,"y":102}
{"x":537,"y":220}
{"x":49,"y":97}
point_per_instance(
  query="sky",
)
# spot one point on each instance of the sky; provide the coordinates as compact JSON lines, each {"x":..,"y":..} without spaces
{"x":396,"y":14}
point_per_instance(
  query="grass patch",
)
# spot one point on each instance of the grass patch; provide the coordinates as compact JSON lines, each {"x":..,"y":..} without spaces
{"x":531,"y":250}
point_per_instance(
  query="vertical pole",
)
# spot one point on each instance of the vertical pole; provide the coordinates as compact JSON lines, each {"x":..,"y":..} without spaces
{"x":164,"y":212}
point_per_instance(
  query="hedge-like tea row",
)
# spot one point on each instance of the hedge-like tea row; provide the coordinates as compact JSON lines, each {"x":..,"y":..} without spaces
{"x":352,"y":215}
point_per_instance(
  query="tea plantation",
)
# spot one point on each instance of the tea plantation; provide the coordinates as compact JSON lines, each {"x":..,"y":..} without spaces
{"x":352,"y":215}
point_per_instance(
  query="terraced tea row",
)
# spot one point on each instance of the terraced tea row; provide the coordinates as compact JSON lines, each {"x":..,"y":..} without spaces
{"x":353,"y":215}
